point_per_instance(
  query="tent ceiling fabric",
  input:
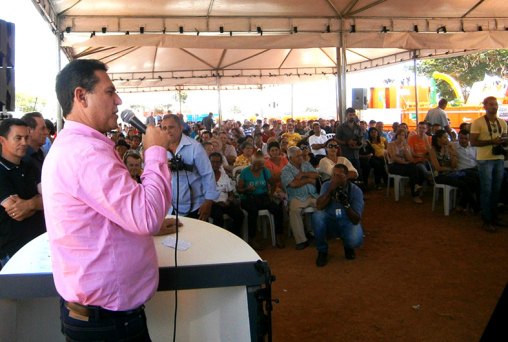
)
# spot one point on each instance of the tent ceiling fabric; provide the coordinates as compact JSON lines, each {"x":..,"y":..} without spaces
{"x":266,"y":41}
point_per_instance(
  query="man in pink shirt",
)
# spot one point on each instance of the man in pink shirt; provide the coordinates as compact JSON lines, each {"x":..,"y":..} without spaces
{"x":100,"y":220}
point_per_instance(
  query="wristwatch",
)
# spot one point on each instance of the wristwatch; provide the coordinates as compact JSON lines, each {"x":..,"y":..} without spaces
{"x":347,"y":206}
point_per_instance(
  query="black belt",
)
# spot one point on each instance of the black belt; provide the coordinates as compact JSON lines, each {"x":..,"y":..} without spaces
{"x":84,"y":312}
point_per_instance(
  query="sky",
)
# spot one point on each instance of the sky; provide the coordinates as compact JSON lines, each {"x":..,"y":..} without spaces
{"x":37,"y":66}
{"x":36,"y":50}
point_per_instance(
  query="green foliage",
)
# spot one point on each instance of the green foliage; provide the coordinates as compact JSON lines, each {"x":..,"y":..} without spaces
{"x":466,"y":69}
{"x":181,"y":96}
{"x":26,"y":103}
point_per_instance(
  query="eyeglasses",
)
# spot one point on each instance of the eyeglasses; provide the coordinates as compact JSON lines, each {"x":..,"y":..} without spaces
{"x":332,"y":146}
{"x":304,"y":147}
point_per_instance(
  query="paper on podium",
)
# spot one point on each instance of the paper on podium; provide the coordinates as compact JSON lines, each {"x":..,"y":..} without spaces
{"x":170,"y":241}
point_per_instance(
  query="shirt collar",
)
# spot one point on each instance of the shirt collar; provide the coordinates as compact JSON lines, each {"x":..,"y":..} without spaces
{"x":85,"y":130}
{"x":7,"y":164}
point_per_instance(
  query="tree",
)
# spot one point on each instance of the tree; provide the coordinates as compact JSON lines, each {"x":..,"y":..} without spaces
{"x":466,"y":69}
{"x":27,"y":103}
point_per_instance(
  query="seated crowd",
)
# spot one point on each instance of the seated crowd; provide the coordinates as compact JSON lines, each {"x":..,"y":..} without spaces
{"x":287,"y":168}
{"x":321,"y":168}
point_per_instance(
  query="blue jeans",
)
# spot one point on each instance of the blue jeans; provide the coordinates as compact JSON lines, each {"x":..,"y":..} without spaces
{"x":99,"y":327}
{"x":324,"y":222}
{"x":491,"y":178}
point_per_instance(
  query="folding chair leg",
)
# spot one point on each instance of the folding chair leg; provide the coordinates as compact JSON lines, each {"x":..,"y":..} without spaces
{"x":446,"y":199}
{"x":396,"y":189}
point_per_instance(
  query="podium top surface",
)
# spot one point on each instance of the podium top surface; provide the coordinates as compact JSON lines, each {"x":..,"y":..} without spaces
{"x":209,"y":244}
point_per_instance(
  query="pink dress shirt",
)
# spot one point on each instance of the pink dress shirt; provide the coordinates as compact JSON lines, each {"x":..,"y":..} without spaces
{"x":100,"y":222}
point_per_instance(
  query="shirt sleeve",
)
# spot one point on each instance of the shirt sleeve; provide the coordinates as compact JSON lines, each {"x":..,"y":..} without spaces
{"x":6,"y":188}
{"x":356,"y":199}
{"x":205,"y":171}
{"x":286,"y":177}
{"x":106,"y":186}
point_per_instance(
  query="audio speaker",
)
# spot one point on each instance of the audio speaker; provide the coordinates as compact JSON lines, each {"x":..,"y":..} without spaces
{"x":359,"y":98}
{"x":7,"y":70}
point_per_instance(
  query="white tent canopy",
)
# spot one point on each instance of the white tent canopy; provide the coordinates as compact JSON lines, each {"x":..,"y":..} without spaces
{"x":179,"y":43}
{"x":174,"y":44}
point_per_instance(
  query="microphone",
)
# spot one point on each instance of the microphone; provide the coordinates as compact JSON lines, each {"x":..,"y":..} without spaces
{"x":129,"y":117}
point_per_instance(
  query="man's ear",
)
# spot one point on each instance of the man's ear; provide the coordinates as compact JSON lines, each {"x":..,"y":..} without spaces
{"x":80,"y":96}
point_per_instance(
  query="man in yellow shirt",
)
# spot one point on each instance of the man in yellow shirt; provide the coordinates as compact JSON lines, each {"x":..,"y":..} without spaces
{"x":489,"y":135}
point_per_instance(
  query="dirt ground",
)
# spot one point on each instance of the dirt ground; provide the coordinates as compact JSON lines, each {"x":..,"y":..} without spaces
{"x":420,"y":276}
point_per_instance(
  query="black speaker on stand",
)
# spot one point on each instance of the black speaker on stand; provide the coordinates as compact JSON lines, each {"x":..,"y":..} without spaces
{"x":7,"y":70}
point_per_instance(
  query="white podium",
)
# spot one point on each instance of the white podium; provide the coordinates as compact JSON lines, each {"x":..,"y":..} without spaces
{"x":219,"y":280}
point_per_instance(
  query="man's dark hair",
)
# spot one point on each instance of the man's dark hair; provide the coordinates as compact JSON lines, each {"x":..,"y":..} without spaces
{"x":29,"y":118}
{"x":341,"y":166}
{"x":422,"y":123}
{"x":206,"y":132}
{"x":485,"y":100}
{"x":78,"y":73}
{"x":5,"y":126}
{"x":266,"y":125}
{"x":442,"y":102}
{"x":136,"y":137}
{"x":131,"y":154}
{"x":123,"y":143}
{"x":463,"y":132}
{"x":50,"y":126}
{"x":463,"y":126}
{"x":215,"y":154}
{"x":350,"y":110}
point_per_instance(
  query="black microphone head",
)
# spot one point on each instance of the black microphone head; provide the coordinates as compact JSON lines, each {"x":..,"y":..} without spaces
{"x":127,"y":115}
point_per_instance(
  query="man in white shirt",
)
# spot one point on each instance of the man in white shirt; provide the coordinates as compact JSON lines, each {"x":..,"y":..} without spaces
{"x":438,"y":116}
{"x":317,"y":141}
{"x":465,"y":152}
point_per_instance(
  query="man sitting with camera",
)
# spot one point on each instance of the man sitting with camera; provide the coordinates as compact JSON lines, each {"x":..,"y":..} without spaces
{"x":340,"y":208}
{"x":192,"y":177}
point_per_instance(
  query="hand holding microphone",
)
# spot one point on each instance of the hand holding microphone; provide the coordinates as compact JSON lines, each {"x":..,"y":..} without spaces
{"x":152,"y":136}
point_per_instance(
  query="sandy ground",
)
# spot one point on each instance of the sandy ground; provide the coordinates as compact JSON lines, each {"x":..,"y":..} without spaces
{"x":420,"y":276}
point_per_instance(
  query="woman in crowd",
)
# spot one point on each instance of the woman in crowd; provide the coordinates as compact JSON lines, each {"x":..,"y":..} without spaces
{"x":217,"y":147}
{"x":255,"y":187}
{"x":401,"y":163}
{"x":377,"y":160}
{"x":332,"y":158}
{"x":308,"y":156}
{"x":443,"y":157}
{"x":244,"y":159}
{"x":275,"y":163}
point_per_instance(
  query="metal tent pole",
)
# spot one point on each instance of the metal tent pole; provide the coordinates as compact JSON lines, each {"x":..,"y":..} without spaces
{"x":219,"y":99}
{"x":416,"y":86}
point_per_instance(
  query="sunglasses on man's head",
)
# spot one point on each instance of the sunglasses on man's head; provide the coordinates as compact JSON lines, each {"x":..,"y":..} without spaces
{"x":304,"y":147}
{"x":332,"y":146}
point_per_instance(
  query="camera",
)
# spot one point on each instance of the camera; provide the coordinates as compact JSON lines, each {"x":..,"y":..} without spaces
{"x":498,"y":150}
{"x":176,"y":164}
{"x":341,"y":196}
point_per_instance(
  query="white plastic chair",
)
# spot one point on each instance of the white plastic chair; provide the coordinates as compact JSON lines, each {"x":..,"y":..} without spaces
{"x":271,"y":223}
{"x":398,"y":181}
{"x":449,"y":194}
